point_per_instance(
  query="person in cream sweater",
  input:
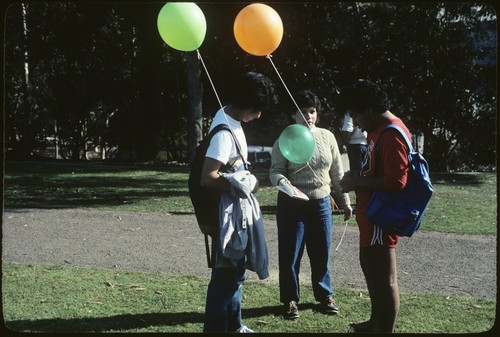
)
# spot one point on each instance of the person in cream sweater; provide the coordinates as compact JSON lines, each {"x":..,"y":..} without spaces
{"x":306,"y":222}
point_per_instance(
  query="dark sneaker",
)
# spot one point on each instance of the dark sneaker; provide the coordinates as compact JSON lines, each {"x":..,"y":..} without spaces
{"x":329,"y":306}
{"x":291,"y":310}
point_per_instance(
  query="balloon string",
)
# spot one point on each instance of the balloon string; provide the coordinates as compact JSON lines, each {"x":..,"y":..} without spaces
{"x":209,"y":78}
{"x":342,"y":237}
{"x":288,"y":91}
{"x":313,"y":172}
{"x":305,"y":120}
{"x":218,"y":99}
{"x":303,"y":167}
{"x":296,"y":105}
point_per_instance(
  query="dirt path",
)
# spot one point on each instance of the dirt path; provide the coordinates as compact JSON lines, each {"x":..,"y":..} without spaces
{"x":429,"y":262}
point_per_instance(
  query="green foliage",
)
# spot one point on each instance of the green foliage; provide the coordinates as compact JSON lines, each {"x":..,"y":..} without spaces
{"x":99,"y":74}
{"x":60,"y":299}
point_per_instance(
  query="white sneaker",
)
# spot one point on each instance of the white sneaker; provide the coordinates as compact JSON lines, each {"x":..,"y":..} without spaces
{"x":245,"y":329}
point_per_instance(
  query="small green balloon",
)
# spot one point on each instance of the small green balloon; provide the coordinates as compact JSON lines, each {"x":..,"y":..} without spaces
{"x":182,"y":25}
{"x":297,"y":143}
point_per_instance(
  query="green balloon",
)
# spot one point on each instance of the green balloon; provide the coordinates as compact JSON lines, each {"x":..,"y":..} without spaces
{"x":182,"y":25}
{"x":297,"y":143}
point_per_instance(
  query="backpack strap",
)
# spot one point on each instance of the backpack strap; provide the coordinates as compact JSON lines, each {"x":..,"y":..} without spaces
{"x":397,"y":128}
{"x":401,"y":131}
{"x":211,"y":252}
{"x":225,"y":127}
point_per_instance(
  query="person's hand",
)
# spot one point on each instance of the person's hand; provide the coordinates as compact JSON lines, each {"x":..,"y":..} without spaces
{"x":285,"y":186}
{"x":347,"y":212}
{"x":348,"y":183}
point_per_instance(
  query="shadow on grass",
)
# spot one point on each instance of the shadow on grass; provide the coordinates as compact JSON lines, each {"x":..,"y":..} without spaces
{"x":105,"y":324}
{"x":128,"y":322}
{"x":73,"y":185}
{"x":65,"y":184}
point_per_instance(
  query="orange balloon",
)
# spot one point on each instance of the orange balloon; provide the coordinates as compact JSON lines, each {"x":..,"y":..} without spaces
{"x":258,"y":29}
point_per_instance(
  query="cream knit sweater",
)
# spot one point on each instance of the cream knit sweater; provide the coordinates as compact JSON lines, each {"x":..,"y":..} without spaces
{"x":322,"y":171}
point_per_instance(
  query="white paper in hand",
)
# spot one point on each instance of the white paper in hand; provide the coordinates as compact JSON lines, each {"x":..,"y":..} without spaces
{"x":294,"y":192}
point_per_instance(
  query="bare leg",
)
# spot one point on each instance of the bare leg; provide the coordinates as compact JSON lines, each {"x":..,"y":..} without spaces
{"x":367,"y":266}
{"x":379,"y":267}
{"x":389,"y":307}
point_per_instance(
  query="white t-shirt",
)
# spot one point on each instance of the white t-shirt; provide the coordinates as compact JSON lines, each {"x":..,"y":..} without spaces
{"x":357,"y":136}
{"x":222,"y":146}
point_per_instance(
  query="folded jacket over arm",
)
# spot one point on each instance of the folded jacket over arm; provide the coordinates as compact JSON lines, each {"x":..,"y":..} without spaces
{"x":242,"y":227}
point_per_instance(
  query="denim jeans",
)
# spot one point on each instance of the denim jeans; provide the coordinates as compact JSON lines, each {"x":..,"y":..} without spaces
{"x":356,"y":154}
{"x":223,"y":306}
{"x":304,"y":224}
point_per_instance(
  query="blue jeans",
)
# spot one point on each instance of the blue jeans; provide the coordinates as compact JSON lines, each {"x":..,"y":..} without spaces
{"x":356,"y":154}
{"x":304,"y":224}
{"x":223,"y":306}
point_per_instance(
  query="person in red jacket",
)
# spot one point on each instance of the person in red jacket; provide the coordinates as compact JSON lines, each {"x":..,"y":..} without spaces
{"x":385,"y":169}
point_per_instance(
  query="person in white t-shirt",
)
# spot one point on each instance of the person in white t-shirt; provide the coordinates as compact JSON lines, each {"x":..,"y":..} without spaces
{"x":356,"y":143}
{"x":250,"y":95}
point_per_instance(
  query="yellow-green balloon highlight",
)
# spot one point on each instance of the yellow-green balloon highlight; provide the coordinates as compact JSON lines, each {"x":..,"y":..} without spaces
{"x":182,"y":25}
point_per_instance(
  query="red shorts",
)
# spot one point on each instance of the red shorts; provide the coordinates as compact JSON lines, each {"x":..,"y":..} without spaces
{"x":371,"y":235}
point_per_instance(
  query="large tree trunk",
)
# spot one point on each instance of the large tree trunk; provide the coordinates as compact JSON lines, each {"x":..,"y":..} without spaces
{"x":148,"y":118}
{"x":195,"y":94}
{"x":145,"y":114}
{"x":26,"y":133}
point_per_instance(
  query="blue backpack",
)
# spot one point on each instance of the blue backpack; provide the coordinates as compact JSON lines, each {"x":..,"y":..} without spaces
{"x":401,"y":212}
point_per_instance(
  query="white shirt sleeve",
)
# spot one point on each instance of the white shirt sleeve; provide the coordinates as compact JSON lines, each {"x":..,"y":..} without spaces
{"x":221,"y":147}
{"x":348,"y":124}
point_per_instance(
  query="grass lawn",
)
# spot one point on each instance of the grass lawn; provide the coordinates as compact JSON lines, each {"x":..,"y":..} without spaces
{"x":46,"y":298}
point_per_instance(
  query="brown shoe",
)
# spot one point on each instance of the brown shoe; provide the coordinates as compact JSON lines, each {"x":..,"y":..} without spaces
{"x":291,"y":310}
{"x":329,"y":306}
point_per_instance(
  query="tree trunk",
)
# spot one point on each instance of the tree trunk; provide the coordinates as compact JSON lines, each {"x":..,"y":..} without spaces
{"x":26,"y":132}
{"x":145,"y":114}
{"x":195,"y":110}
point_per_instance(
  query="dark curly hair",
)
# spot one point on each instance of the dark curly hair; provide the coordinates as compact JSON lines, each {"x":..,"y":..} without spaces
{"x":253,"y":90}
{"x":362,"y":96}
{"x":307,"y":99}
